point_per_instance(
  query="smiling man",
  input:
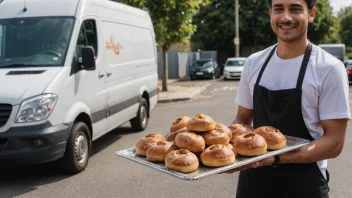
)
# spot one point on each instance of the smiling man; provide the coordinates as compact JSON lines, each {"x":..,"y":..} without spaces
{"x":300,"y":89}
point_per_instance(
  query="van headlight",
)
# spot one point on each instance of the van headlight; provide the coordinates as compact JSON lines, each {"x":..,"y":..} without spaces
{"x":37,"y":108}
{"x":210,"y":70}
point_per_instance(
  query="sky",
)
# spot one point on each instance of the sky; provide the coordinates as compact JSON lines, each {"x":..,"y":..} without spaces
{"x":338,"y":4}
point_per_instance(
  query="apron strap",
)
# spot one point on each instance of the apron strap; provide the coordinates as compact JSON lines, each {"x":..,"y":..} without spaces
{"x":304,"y":66}
{"x":265,"y":64}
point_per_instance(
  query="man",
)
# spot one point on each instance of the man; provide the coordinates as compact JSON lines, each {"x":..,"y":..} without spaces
{"x":300,"y":89}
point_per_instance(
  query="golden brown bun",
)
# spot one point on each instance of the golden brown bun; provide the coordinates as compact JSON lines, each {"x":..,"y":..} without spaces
{"x":217,"y":155}
{"x":182,"y":160}
{"x":250,"y":144}
{"x":201,"y":123}
{"x":273,"y":137}
{"x":158,"y":151}
{"x":170,"y":137}
{"x":219,"y":126}
{"x":190,"y":141}
{"x":230,"y":146}
{"x":147,"y":141}
{"x":179,"y":123}
{"x":239,"y":129}
{"x":216,"y":137}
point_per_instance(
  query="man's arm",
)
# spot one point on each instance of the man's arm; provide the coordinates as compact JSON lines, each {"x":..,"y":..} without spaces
{"x":328,"y":146}
{"x":244,"y":116}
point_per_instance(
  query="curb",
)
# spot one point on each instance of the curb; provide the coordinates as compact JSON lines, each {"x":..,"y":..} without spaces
{"x":194,"y":94}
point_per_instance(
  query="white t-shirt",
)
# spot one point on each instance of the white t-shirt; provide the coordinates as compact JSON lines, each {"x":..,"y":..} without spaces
{"x":324,"y":91}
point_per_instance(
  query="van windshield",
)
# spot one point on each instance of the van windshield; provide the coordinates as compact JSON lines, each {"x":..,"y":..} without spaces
{"x":34,"y":42}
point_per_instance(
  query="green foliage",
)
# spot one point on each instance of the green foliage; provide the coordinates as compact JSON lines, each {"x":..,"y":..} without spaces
{"x":345,"y":32}
{"x":323,"y":28}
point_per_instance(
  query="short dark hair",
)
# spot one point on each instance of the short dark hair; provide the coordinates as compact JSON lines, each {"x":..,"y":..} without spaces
{"x":310,"y":3}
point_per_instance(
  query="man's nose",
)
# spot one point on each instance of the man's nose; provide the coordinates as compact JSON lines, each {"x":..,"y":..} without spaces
{"x":286,"y":16}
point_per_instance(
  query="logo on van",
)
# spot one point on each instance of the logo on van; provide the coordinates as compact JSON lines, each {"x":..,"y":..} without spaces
{"x":112,"y":45}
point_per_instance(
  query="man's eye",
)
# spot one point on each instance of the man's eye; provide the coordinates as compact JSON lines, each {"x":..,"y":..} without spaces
{"x":296,"y":9}
{"x":278,"y":9}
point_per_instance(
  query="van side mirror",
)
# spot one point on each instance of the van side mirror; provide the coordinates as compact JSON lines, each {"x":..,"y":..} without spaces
{"x":88,"y":58}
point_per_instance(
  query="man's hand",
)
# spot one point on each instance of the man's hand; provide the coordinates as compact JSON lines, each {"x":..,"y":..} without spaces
{"x":265,"y":162}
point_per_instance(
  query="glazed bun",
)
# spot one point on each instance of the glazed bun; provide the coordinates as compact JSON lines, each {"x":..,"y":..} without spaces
{"x":182,"y":160}
{"x":217,"y":155}
{"x":170,"y":137}
{"x":216,"y":137}
{"x":158,"y":151}
{"x":219,"y":126}
{"x":273,"y":137}
{"x":179,"y":123}
{"x":250,"y":144}
{"x":147,"y":141}
{"x":201,"y":123}
{"x":237,"y":130}
{"x":190,"y":141}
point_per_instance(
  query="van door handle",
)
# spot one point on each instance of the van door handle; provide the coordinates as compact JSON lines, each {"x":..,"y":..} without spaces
{"x":109,"y":73}
{"x":101,"y":75}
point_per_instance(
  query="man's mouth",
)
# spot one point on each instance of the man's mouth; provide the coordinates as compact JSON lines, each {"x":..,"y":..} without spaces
{"x":287,"y":26}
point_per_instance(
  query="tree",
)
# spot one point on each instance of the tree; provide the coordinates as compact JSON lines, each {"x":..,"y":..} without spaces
{"x":172,"y":20}
{"x":323,"y":28}
{"x":345,"y":32}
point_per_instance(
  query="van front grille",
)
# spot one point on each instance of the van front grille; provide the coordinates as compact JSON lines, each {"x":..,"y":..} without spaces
{"x":5,"y":112}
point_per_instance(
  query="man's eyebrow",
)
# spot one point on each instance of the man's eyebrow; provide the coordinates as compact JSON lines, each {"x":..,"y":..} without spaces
{"x":296,"y":5}
{"x":278,"y":5}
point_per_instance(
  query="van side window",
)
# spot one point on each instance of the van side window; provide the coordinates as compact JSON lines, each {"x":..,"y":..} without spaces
{"x":1,"y":43}
{"x":88,"y":36}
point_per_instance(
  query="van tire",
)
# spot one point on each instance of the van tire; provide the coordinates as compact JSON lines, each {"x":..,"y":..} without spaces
{"x":140,"y":122}
{"x":78,"y":149}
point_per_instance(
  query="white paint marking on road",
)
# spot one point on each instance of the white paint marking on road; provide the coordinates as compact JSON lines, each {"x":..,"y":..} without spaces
{"x":233,"y":88}
{"x":225,"y":88}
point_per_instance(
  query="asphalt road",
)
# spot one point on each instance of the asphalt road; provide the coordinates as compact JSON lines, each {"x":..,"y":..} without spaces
{"x":110,"y":176}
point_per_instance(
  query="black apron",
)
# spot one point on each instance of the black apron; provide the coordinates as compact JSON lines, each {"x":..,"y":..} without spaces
{"x":282,"y":109}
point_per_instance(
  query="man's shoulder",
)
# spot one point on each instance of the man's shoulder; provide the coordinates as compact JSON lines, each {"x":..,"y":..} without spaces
{"x":324,"y":58}
{"x":257,"y":56}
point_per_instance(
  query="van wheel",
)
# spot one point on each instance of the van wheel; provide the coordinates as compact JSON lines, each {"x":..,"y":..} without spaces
{"x":78,"y":149}
{"x":140,"y":122}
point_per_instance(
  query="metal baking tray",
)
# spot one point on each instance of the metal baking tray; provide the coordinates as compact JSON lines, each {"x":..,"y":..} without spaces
{"x":292,"y":143}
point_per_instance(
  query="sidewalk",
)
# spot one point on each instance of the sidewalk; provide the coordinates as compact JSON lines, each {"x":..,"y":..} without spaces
{"x":181,"y":90}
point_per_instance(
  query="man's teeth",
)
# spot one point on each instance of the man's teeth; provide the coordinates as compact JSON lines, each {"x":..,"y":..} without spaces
{"x":287,"y":26}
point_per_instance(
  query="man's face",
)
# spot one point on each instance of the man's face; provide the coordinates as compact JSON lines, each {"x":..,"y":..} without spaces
{"x":290,"y":18}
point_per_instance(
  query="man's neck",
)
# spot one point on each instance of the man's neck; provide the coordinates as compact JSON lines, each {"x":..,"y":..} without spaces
{"x":289,"y":50}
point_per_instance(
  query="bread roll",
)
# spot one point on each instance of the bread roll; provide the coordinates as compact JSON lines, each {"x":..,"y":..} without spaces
{"x":217,"y":155}
{"x":190,"y":141}
{"x":220,"y":126}
{"x":158,"y":151}
{"x":250,"y":144}
{"x":170,"y":137}
{"x":237,"y":130}
{"x":179,"y":123}
{"x":201,"y":123}
{"x":273,"y":137}
{"x":147,"y":141}
{"x":216,"y":137}
{"x":182,"y":160}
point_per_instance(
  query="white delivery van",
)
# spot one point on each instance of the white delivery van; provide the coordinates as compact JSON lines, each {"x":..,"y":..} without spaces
{"x":71,"y":71}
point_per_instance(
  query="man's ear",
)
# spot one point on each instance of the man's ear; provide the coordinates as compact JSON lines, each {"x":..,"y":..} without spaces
{"x":312,"y":14}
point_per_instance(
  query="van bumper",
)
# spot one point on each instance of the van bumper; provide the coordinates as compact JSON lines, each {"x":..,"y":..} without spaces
{"x":33,"y":144}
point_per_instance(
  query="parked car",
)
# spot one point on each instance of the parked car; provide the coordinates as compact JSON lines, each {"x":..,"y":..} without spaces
{"x":61,"y":101}
{"x":204,"y":68}
{"x":233,"y":68}
{"x":349,"y":69}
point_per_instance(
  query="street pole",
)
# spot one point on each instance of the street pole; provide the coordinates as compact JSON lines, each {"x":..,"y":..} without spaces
{"x":237,"y":39}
